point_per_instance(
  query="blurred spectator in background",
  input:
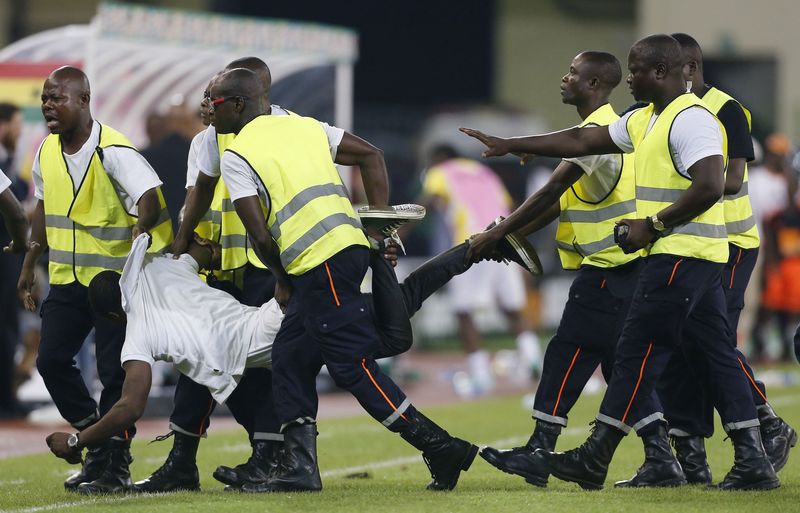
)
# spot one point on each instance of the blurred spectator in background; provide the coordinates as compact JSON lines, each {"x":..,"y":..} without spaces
{"x":10,"y":129}
{"x":772,"y":187}
{"x":170,"y":138}
{"x":471,"y":196}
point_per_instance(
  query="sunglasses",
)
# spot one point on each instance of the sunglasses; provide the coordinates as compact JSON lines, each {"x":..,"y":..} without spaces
{"x":223,"y":99}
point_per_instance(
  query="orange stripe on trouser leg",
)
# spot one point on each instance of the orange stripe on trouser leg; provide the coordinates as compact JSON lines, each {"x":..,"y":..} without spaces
{"x":375,"y":383}
{"x":333,"y":289}
{"x":564,"y":382}
{"x":641,"y":375}
{"x":733,"y":270}
{"x":208,"y":414}
{"x":674,"y":269}
{"x":603,"y":284}
{"x":752,"y":381}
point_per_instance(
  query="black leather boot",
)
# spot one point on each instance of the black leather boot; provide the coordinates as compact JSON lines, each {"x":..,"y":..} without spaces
{"x":778,"y":436}
{"x":525,"y":461}
{"x":751,"y":467}
{"x":660,"y":468}
{"x":298,"y":471}
{"x":179,"y":472}
{"x":116,"y":478}
{"x":445,"y":455}
{"x":261,"y":465}
{"x":93,"y":466}
{"x":690,"y":452}
{"x":587,"y":465}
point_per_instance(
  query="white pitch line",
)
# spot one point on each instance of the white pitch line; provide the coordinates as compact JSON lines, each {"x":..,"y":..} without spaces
{"x":12,"y":482}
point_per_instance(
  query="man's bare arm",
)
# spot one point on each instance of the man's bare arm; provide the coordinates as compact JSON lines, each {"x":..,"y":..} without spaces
{"x":355,"y":151}
{"x":249,"y":211}
{"x":198,"y":201}
{"x":38,"y":243}
{"x":149,"y":210}
{"x":734,"y":176}
{"x":15,"y":221}
{"x":572,"y":142}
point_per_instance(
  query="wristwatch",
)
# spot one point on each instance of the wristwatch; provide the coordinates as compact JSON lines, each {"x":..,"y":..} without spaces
{"x":656,"y":225}
{"x":72,"y":441}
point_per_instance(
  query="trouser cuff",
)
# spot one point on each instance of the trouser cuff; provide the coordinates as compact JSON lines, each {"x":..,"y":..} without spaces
{"x":605,"y":419}
{"x":679,"y":433}
{"x":268,"y":437}
{"x":186,"y":432}
{"x":642,"y":424}
{"x":299,"y":421}
{"x":733,"y":426}
{"x":88,"y":421}
{"x":539,"y":415}
{"x":391,"y":419}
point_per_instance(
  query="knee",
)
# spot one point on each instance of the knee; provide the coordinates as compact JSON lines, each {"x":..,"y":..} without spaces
{"x":346,"y":374}
{"x":50,"y":364}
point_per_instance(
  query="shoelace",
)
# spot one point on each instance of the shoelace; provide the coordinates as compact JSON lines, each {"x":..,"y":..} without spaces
{"x":161,"y":438}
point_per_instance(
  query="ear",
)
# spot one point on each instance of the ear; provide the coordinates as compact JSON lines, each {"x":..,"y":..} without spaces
{"x":692,"y":65}
{"x":594,"y":82}
{"x":85,"y":98}
{"x":660,"y":70}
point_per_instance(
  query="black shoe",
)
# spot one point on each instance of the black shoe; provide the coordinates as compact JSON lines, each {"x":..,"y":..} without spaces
{"x":588,"y":464}
{"x":261,"y":465}
{"x":388,"y":220}
{"x":93,"y":466}
{"x":298,"y":470}
{"x":445,"y":455}
{"x":778,"y":437}
{"x":179,"y":472}
{"x":524,"y":461}
{"x":690,"y":452}
{"x":116,"y":478}
{"x":660,"y":468}
{"x":751,"y":467}
{"x":516,"y":248}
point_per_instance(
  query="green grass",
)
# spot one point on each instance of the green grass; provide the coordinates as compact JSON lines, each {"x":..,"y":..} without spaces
{"x":366,"y":468}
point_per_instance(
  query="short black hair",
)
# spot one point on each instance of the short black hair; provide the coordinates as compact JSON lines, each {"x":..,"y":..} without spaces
{"x":690,"y":45}
{"x":660,"y":48}
{"x":105,"y":296}
{"x":444,"y":152}
{"x":7,"y":111}
{"x":608,"y":68}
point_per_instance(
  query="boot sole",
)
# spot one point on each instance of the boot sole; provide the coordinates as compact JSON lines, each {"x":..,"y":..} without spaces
{"x":769,"y":484}
{"x":586,"y":485}
{"x":532,"y":479}
{"x":669,"y":483}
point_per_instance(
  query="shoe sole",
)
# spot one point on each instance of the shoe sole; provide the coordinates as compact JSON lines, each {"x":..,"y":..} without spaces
{"x":525,"y":252}
{"x":670,"y":483}
{"x":785,"y":458}
{"x":769,"y":484}
{"x":533,"y":479}
{"x":586,"y":485}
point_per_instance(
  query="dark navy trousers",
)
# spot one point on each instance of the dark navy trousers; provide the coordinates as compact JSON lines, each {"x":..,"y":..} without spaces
{"x":673,"y":291}
{"x":684,"y":389}
{"x":67,"y":319}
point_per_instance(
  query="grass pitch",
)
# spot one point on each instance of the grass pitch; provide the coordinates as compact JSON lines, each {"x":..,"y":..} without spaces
{"x":366,"y":468}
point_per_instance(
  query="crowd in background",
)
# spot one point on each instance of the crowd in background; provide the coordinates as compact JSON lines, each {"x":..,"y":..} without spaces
{"x":772,"y":307}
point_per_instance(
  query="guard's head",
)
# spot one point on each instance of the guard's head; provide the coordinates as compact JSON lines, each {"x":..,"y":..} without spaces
{"x":692,"y":54}
{"x":105,"y":296}
{"x":655,"y":63}
{"x":208,"y":253}
{"x":65,"y":99}
{"x":258,"y":67}
{"x":441,"y":153}
{"x":236,"y":97}
{"x":591,"y":74}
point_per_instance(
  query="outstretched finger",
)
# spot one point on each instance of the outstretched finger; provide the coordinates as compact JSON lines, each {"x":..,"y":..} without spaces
{"x":477,"y":134}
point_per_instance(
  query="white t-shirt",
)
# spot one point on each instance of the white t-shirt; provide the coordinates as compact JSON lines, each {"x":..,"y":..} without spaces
{"x":208,"y":154}
{"x":174,"y":316}
{"x":130,"y":174}
{"x":192,"y":168}
{"x":601,"y":174}
{"x":5,"y":183}
{"x":695,"y":135}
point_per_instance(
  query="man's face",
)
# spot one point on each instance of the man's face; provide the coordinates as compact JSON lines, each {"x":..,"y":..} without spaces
{"x":11,"y":135}
{"x":641,"y":78}
{"x":62,"y":104}
{"x":224,"y":113}
{"x":575,"y":84}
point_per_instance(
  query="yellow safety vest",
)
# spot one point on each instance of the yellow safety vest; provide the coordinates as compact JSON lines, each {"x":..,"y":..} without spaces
{"x":659,"y":185}
{"x":739,"y":219}
{"x":88,"y":229}
{"x":585,"y":233}
{"x":310,"y":215}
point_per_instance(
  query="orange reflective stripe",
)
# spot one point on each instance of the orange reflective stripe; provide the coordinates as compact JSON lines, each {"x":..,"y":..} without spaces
{"x":333,"y":289}
{"x":733,"y":272}
{"x":208,"y":414}
{"x":641,"y":372}
{"x":752,"y":381}
{"x":674,"y":269}
{"x":385,"y":397}
{"x":564,"y":382}
{"x":603,"y":283}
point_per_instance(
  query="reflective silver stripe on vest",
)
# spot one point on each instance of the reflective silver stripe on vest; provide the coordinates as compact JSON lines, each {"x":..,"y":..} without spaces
{"x":216,"y":217}
{"x":315,"y":233}
{"x":711,"y":231}
{"x":233,"y":241}
{"x":87,"y":260}
{"x":741,"y":194}
{"x":600,"y":214}
{"x":566,"y":246}
{"x":163,"y":216}
{"x":208,"y":216}
{"x":98,"y":232}
{"x":301,"y":199}
{"x":661,"y":195}
{"x":596,"y":247}
{"x":227,"y":205}
{"x":740,"y":226}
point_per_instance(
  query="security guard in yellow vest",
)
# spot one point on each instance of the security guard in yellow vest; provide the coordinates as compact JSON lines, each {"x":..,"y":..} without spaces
{"x":680,"y":163}
{"x":595,"y":192}
{"x":685,"y":397}
{"x":209,"y":211}
{"x":96,"y":193}
{"x":313,"y":242}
